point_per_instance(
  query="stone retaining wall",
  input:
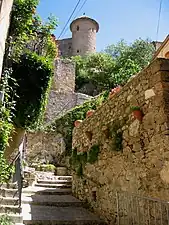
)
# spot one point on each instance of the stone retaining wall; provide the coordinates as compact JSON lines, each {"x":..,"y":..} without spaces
{"x":142,"y":166}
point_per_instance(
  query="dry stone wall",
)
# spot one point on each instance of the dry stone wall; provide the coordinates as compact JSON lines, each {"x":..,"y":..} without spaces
{"x":65,"y":47}
{"x":142,"y":166}
{"x":45,"y":148}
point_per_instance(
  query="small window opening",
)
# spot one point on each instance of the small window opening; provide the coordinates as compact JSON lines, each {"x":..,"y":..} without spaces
{"x":77,"y":51}
{"x":69,"y":47}
{"x":77,"y":28}
{"x":94,"y":196}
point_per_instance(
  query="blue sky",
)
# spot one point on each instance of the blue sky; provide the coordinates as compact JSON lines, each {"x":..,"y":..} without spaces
{"x":118,"y":19}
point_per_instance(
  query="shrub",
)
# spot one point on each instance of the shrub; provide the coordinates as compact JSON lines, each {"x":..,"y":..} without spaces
{"x":33,"y":74}
{"x":45,"y":167}
{"x":5,"y":220}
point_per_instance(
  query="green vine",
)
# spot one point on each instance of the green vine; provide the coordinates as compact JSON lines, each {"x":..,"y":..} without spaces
{"x":7,"y":105}
{"x":26,"y":76}
{"x":78,"y":160}
{"x":93,"y":154}
{"x":65,"y":124}
{"x":32,"y":89}
{"x":117,"y":136}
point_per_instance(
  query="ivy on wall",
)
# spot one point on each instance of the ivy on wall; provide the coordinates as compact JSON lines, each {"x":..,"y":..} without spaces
{"x":33,"y":74}
{"x":65,"y":124}
{"x":6,"y":126}
{"x":78,"y":160}
{"x":25,"y":88}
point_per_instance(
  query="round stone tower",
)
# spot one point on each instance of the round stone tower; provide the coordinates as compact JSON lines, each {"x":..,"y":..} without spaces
{"x":84,"y":31}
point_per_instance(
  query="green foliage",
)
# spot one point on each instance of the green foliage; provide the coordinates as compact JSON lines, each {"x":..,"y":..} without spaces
{"x":140,"y":52}
{"x":82,"y":157}
{"x":134,"y":108}
{"x":5,"y":170}
{"x":22,"y":16}
{"x":79,"y":170}
{"x":65,"y":124}
{"x":33,"y":74}
{"x":93,"y":154}
{"x":30,"y":73}
{"x":6,"y":126}
{"x":27,"y":30}
{"x":5,"y":220}
{"x":78,"y":160}
{"x":117,"y":136}
{"x":114,"y":66}
{"x":95,"y":68}
{"x":45,"y":167}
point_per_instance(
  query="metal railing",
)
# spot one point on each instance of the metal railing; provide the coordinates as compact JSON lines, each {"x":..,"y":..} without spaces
{"x":138,"y":210}
{"x":17,"y":176}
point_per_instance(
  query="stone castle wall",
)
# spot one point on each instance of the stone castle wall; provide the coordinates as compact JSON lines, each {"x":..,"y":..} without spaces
{"x":62,"y":96}
{"x":5,"y":10}
{"x":142,"y":166}
{"x":65,"y":47}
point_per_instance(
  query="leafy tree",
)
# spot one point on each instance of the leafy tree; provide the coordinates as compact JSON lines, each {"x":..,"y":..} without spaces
{"x":28,"y":31}
{"x":95,"y":68}
{"x":114,"y":66}
{"x":140,"y":52}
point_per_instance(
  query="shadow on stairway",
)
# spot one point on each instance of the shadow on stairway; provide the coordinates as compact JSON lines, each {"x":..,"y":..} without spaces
{"x":52,"y":203}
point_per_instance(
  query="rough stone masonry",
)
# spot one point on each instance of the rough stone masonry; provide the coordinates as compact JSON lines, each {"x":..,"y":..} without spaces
{"x":46,"y":147}
{"x":142,"y":166}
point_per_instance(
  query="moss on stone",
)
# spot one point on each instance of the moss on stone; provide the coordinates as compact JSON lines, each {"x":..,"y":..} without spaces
{"x":92,"y":155}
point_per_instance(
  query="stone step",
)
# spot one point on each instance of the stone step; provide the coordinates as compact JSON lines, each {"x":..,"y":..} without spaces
{"x":48,"y":191}
{"x":52,"y":200}
{"x":49,"y":178}
{"x":5,"y":192}
{"x":19,"y":224}
{"x":54,"y":182}
{"x":10,"y":185}
{"x":16,"y":218}
{"x":9,"y":201}
{"x":47,"y":215}
{"x":9,"y":209}
{"x":47,"y":185}
{"x":64,"y":177}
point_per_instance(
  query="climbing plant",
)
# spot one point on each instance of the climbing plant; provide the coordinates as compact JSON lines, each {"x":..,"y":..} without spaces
{"x":26,"y":75}
{"x":7,"y":104}
{"x":78,"y":160}
{"x":33,"y":74}
{"x":65,"y":123}
{"x":116,"y":135}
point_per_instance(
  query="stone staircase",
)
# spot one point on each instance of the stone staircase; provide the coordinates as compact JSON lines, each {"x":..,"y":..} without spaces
{"x":9,"y":202}
{"x":50,"y":202}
